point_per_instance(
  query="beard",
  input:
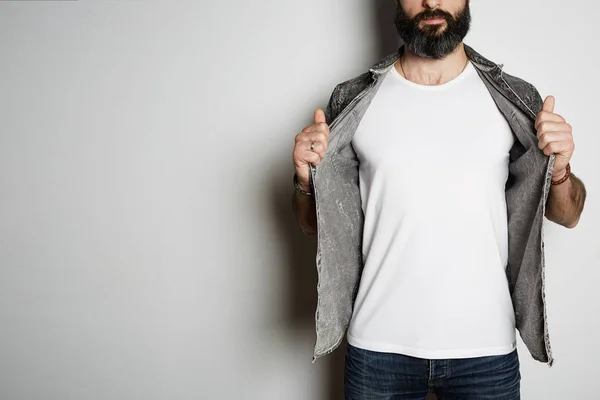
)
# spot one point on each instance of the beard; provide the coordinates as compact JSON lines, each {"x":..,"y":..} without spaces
{"x":433,"y":41}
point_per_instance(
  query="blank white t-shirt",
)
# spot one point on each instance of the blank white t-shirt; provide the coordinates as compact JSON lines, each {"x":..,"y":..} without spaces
{"x":433,"y":168}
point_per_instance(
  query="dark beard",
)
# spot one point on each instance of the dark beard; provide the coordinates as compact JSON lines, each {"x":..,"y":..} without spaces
{"x":430,"y":42}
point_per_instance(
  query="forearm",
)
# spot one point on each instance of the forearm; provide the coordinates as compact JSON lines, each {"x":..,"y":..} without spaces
{"x":305,"y":212}
{"x":566,"y":201}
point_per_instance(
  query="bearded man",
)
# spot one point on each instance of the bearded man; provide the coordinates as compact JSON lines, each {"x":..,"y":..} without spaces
{"x":427,"y":180}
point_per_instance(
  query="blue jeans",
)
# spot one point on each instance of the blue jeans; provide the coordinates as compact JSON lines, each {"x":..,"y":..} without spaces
{"x":372,"y":375}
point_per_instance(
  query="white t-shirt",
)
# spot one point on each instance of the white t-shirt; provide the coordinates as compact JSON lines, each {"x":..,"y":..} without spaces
{"x":433,"y":168}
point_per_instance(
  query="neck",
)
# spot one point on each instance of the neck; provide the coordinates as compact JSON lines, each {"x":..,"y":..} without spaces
{"x":427,"y":71}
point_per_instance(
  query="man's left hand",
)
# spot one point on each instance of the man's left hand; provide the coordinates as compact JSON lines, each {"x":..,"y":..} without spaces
{"x":555,"y":135}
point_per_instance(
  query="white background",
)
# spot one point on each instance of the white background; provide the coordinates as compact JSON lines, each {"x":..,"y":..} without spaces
{"x":147,"y":244}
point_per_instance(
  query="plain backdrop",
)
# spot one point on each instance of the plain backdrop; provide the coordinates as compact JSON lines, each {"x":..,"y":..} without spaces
{"x":147,"y":244}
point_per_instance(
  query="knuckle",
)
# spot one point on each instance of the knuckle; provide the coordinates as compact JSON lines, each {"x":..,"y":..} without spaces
{"x":539,"y":126}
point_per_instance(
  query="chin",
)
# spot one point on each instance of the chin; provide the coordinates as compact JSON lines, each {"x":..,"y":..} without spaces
{"x":435,"y":30}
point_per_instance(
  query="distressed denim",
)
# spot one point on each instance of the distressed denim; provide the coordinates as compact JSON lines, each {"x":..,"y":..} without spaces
{"x":340,"y":219}
{"x":372,"y":375}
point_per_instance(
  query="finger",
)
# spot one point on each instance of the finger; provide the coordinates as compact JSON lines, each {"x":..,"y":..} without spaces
{"x":549,"y":104}
{"x":319,"y":148}
{"x":319,"y":116}
{"x":553,"y":137}
{"x":320,"y":127}
{"x":318,"y":141}
{"x":305,"y":157}
{"x":314,"y":146}
{"x":548,"y":126}
{"x":311,"y":157}
{"x":557,"y":148}
{"x":547,"y":116}
{"x":314,"y":136}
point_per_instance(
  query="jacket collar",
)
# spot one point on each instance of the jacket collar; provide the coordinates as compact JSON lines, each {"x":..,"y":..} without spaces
{"x":383,"y":65}
{"x":492,"y":72}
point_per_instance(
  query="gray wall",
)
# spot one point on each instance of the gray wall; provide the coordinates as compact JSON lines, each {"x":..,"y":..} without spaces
{"x":147,"y":245}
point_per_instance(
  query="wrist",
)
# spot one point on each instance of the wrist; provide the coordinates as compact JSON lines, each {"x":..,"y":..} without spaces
{"x":301,"y":187}
{"x":556,"y":175}
{"x":304,"y":187}
{"x":561,"y":176}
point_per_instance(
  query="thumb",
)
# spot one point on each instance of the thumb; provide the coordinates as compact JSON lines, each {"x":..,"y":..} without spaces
{"x":320,"y":116}
{"x":549,"y":104}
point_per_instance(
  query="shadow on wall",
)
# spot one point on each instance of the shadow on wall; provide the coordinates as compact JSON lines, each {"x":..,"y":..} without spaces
{"x":384,"y":29}
{"x":301,"y":293}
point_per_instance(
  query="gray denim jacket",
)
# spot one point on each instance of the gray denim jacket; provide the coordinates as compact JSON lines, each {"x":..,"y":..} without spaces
{"x":340,"y":218}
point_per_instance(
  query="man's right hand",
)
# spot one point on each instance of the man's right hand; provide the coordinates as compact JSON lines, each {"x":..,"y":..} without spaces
{"x":316,"y":134}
